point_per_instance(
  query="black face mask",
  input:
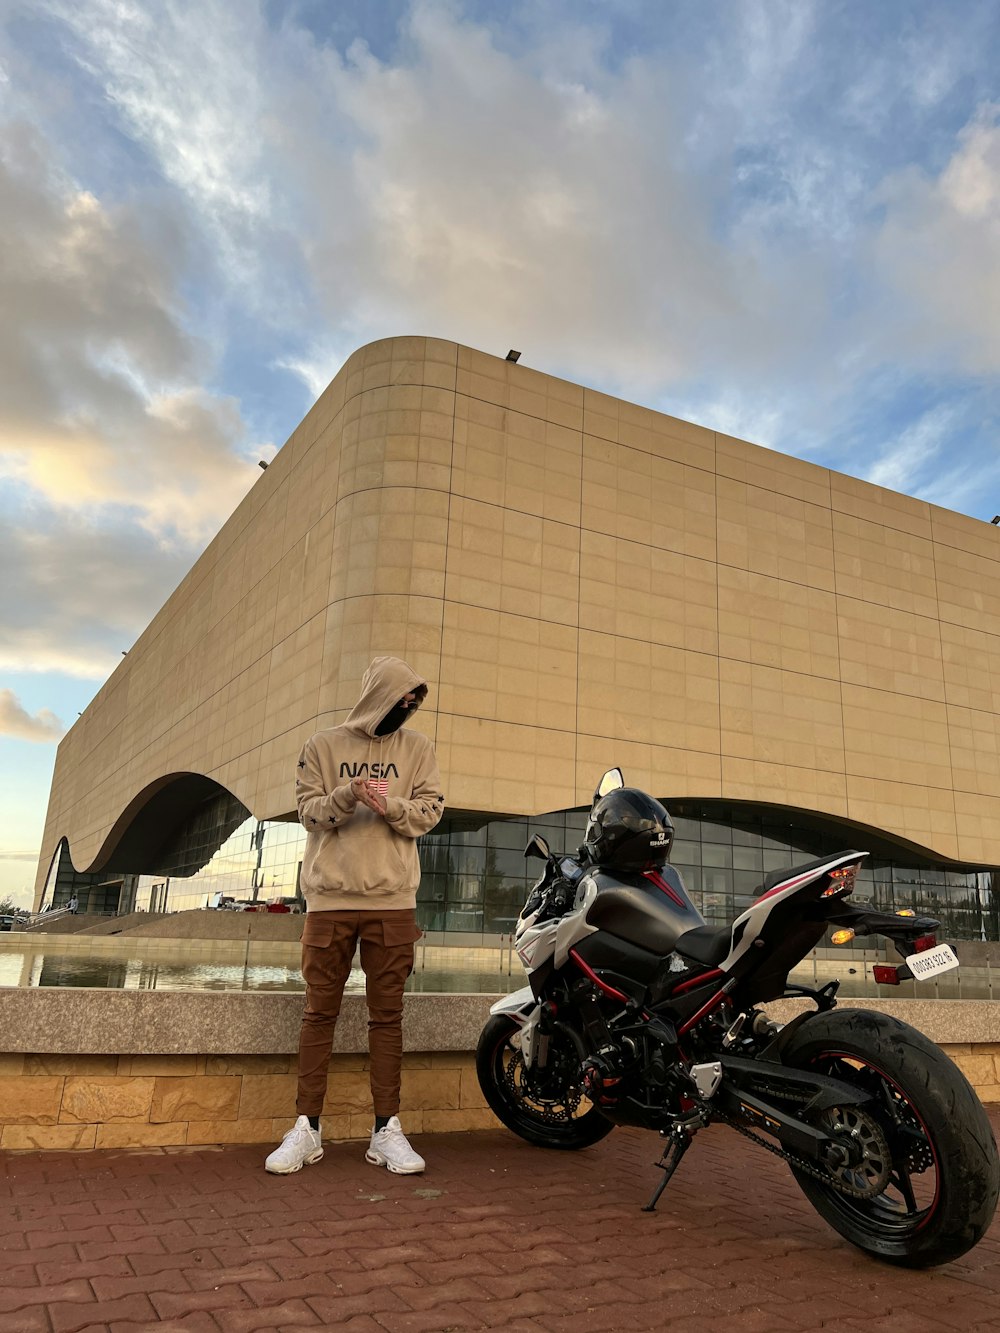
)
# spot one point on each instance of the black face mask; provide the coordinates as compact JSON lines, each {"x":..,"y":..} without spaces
{"x":394,"y":719}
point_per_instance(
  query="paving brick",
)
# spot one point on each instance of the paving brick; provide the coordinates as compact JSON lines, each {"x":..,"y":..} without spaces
{"x":383,"y":1256}
{"x":22,"y":1273}
{"x":52,"y":1273}
{"x":104,"y":1249}
{"x":176,"y":1304}
{"x":269,"y":1318}
{"x":504,"y":1314}
{"x":324,"y":1265}
{"x":115,"y":1288}
{"x":16,"y":1298}
{"x":35,"y":1320}
{"x":455,"y":1290}
{"x":201,"y":1322}
{"x":68,"y":1318}
{"x":149,"y":1264}
{"x":396,"y":1276}
{"x":257,"y":1273}
{"x":269,"y":1251}
{"x":195,"y":1242}
{"x":222,"y":1248}
{"x":334,"y":1309}
{"x":431,"y":1321}
{"x":359,"y":1324}
{"x":763,"y":1320}
{"x":466,"y":1265}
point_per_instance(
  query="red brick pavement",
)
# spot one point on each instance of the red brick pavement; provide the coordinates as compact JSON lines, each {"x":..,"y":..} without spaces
{"x":496,"y":1235}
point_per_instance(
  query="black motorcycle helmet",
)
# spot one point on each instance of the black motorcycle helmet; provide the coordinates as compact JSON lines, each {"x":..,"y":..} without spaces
{"x":628,"y":830}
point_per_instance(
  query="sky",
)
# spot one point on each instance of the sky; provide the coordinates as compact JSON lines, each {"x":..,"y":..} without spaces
{"x":778,"y":218}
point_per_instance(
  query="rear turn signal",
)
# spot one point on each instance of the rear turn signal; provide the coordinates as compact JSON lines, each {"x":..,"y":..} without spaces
{"x":885,"y":975}
{"x":842,"y":936}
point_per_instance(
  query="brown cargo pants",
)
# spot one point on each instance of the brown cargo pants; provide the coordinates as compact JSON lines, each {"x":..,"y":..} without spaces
{"x":329,"y":940}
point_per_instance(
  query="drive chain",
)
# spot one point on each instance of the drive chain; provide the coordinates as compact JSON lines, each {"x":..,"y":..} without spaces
{"x":799,"y":1163}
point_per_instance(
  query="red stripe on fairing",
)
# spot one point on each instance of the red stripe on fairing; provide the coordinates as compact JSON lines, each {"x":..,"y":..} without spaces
{"x":592,"y":975}
{"x":802,"y":879}
{"x":790,"y":884}
{"x":656,"y":878}
{"x":700,"y":980}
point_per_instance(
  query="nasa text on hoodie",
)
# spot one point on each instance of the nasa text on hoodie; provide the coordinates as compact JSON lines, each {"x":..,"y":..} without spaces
{"x":354,"y":858}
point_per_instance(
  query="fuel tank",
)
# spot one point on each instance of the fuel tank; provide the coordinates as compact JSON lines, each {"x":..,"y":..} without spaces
{"x":650,"y":911}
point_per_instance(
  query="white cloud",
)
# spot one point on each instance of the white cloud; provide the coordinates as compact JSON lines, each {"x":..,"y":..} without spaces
{"x":938,"y":251}
{"x":99,"y":401}
{"x":905,"y":461}
{"x":78,"y":590}
{"x":15,"y":721}
{"x":189,"y":82}
{"x":118,"y":465}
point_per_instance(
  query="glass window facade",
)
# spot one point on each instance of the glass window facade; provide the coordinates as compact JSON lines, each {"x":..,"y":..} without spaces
{"x":475,"y":879}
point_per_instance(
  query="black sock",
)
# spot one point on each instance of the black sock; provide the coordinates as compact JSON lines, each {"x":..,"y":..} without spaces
{"x":381,"y":1121}
{"x":314,"y":1122}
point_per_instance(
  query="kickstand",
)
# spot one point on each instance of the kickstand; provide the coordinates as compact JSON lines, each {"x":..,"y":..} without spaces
{"x":680,"y":1141}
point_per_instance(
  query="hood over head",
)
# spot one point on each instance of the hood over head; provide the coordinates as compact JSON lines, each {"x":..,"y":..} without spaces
{"x":382,"y":686}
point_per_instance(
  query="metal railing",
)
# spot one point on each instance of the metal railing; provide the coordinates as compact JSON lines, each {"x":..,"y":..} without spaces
{"x":53,"y":914}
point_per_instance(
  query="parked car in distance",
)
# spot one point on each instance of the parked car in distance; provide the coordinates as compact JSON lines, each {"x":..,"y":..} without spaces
{"x":9,"y":922}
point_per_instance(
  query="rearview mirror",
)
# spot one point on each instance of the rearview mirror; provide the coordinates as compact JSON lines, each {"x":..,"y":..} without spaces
{"x":537,"y":846}
{"x":612,"y":781}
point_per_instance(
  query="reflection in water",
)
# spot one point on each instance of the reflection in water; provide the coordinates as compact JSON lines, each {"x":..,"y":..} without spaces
{"x":29,"y":968}
{"x":31,"y":965}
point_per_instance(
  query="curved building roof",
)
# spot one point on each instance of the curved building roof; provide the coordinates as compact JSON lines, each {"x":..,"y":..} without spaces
{"x":585,"y":583}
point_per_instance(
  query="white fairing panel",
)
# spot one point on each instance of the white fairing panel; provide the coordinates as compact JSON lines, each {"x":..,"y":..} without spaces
{"x":574,"y":926}
{"x":518,"y":1004}
{"x":535,"y":944}
{"x":753,"y":919}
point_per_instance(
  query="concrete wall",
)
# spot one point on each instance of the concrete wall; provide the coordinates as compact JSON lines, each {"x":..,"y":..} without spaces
{"x":585,"y":582}
{"x":135,"y":1068}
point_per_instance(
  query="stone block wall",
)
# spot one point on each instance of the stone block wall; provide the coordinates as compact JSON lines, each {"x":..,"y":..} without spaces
{"x":83,"y":1069}
{"x":66,"y":1102}
{"x":72,"y":1102}
{"x":980,"y":1063}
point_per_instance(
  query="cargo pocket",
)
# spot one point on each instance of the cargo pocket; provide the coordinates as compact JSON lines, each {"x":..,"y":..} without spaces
{"x":400,"y":928}
{"x":317,"y":933}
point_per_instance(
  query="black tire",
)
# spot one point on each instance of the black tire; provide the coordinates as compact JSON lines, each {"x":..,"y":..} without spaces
{"x":553,"y":1116}
{"x":944,"y":1174}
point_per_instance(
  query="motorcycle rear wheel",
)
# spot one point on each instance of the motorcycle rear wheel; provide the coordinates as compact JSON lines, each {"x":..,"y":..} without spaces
{"x":555,"y":1117}
{"x":944,"y":1175}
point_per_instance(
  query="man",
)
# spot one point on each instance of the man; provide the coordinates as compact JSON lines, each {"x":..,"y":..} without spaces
{"x":365,"y":792}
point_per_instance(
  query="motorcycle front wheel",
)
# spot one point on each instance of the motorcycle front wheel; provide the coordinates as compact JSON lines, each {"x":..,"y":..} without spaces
{"x":922,"y":1186}
{"x":547,"y":1109}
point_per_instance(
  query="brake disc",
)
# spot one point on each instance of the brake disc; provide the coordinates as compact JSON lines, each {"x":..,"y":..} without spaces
{"x":538,"y":1092}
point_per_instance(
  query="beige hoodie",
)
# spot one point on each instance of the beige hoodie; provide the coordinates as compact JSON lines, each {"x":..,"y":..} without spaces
{"x":354,"y":858}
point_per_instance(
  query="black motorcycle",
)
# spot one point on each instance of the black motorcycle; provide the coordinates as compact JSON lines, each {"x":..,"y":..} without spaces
{"x":638,"y":1013}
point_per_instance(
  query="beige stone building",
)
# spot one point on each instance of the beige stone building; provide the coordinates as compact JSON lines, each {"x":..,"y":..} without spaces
{"x":772,"y":648}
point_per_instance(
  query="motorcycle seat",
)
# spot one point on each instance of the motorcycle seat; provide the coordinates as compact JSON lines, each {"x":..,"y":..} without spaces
{"x":705,"y":944}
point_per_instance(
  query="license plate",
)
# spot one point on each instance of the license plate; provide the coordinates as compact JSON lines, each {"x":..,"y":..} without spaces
{"x":932,"y":961}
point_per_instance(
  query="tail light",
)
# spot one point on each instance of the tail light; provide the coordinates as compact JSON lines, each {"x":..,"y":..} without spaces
{"x":924,"y":942}
{"x":842,"y":881}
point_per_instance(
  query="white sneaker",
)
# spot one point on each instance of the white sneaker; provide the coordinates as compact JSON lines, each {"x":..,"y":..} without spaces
{"x":389,"y":1148}
{"x":300,"y":1147}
